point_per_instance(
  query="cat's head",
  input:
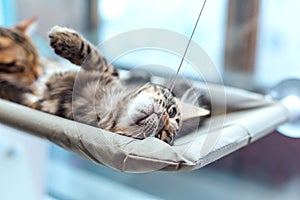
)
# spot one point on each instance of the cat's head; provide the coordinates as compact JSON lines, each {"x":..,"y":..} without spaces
{"x":151,"y":110}
{"x":19,"y":64}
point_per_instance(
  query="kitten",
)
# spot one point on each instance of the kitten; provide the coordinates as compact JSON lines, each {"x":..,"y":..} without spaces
{"x":97,"y":97}
{"x":19,"y":62}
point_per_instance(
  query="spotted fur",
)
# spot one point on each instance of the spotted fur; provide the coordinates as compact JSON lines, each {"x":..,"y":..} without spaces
{"x":96,"y":96}
{"x":19,"y":63}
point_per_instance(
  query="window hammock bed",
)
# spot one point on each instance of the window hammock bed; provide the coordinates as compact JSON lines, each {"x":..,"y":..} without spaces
{"x":249,"y":116}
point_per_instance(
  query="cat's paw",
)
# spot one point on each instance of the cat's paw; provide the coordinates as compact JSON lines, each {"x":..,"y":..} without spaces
{"x":66,"y":43}
{"x":60,"y":29}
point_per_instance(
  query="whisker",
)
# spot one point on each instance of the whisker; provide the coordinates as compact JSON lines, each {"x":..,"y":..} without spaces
{"x":172,"y":83}
{"x":187,"y":47}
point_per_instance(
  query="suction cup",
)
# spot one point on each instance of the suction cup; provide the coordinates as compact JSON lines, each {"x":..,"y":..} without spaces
{"x":287,"y":93}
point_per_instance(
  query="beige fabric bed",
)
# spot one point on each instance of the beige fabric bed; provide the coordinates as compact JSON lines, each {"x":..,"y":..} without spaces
{"x":249,"y":117}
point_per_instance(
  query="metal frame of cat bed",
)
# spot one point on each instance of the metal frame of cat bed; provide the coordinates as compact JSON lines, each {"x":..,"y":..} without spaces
{"x":250,"y":117}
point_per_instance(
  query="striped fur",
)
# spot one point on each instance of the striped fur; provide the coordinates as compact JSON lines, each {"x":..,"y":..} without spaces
{"x":19,"y":63}
{"x":70,"y":45}
{"x":96,"y":96}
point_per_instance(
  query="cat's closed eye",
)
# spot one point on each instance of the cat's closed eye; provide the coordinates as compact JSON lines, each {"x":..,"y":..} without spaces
{"x":142,"y":117}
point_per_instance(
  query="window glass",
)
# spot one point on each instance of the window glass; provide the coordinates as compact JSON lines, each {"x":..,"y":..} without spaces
{"x":278,"y":46}
{"x":119,"y":16}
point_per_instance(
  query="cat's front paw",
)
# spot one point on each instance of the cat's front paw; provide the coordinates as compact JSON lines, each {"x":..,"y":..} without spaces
{"x":66,"y":43}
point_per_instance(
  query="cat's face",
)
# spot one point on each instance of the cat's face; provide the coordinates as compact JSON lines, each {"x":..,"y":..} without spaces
{"x":152,"y":111}
{"x":18,"y":56}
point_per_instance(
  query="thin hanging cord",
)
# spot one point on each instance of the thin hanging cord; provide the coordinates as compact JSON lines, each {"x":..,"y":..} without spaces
{"x":187,"y":47}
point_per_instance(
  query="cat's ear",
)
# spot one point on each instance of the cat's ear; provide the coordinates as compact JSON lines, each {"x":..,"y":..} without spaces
{"x":24,"y":26}
{"x":189,"y":111}
{"x":192,"y":104}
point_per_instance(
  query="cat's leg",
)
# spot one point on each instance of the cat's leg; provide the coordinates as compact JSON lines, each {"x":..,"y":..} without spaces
{"x":57,"y":95}
{"x":70,"y":45}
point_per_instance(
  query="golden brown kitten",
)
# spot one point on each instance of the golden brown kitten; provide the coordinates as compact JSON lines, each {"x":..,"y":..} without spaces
{"x":19,"y":62}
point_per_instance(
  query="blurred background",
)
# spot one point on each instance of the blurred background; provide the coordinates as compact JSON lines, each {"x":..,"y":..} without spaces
{"x":253,"y":44}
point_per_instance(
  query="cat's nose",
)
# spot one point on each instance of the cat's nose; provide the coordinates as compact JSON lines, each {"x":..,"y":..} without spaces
{"x":162,"y":121}
{"x":165,"y":119}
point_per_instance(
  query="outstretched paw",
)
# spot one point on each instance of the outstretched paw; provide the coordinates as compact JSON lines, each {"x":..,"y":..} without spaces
{"x":67,"y":43}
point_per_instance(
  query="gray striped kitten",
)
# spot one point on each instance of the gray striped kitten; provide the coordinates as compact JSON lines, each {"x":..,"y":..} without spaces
{"x":97,"y":97}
